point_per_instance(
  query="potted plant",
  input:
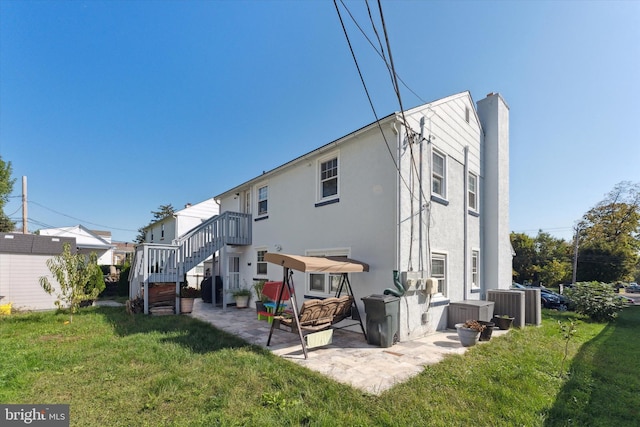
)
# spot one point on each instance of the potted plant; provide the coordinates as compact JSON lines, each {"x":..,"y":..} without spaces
{"x":258,"y":285}
{"x":469,"y":332}
{"x":187,"y":295}
{"x":488,"y":330}
{"x":241,"y":295}
{"x":503,"y":321}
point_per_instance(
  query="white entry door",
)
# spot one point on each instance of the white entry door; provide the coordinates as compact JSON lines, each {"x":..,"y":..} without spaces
{"x":234,"y":272}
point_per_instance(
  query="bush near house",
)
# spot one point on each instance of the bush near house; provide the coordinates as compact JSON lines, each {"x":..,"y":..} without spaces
{"x":597,"y":300}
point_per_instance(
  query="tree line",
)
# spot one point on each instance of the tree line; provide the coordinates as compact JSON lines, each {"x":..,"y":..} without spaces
{"x":607,"y":239}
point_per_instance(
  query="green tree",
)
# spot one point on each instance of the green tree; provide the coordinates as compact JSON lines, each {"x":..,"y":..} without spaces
{"x":80,"y":280}
{"x":524,"y":261}
{"x":164,"y":211}
{"x":610,"y":236}
{"x":544,"y":258}
{"x":6,"y":187}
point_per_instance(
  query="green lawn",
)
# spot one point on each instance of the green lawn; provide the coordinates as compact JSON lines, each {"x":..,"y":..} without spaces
{"x":120,"y":370}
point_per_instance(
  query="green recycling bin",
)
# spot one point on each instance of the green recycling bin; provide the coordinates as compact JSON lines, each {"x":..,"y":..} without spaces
{"x":382,"y":319}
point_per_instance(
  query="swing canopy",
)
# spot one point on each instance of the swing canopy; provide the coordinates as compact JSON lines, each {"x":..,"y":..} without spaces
{"x":316,"y":264}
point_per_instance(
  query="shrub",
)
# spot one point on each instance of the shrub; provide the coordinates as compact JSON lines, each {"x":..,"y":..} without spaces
{"x":596,"y":300}
{"x":123,"y":281}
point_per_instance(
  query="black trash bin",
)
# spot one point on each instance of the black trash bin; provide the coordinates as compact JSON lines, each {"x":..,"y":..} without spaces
{"x":382,"y":319}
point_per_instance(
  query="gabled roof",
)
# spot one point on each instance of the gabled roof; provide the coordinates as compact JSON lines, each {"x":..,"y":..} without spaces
{"x":337,"y":142}
{"x":85,"y":238}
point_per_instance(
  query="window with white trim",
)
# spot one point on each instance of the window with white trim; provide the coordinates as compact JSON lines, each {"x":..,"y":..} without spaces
{"x":439,"y":272}
{"x":263,"y":198}
{"x":329,"y":178}
{"x":473,"y":192}
{"x":162,"y":231}
{"x":439,"y":175}
{"x":261,"y":264}
{"x":324,"y":284}
{"x":475,"y":265}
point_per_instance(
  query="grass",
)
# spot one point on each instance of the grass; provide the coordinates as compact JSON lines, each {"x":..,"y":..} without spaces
{"x":120,"y":370}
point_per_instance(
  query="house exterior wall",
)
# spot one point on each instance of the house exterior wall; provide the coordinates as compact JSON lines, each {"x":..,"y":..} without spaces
{"x":438,"y":225}
{"x":390,"y":220}
{"x":295,"y":224}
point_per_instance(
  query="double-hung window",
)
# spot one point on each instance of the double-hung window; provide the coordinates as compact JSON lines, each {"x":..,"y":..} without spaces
{"x":473,"y":192}
{"x":261,"y":264}
{"x":475,"y":277}
{"x":263,"y":198}
{"x":439,"y":272}
{"x":439,"y":175}
{"x":329,"y":178}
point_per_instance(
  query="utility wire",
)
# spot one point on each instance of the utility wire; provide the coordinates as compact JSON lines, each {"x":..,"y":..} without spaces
{"x":78,"y":219}
{"x":364,"y":85}
{"x":377,"y":51}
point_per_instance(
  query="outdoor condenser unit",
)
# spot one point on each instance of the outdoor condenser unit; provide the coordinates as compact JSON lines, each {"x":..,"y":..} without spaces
{"x":508,"y":302}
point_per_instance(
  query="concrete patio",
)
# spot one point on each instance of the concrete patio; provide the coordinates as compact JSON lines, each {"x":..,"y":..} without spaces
{"x":349,"y":359}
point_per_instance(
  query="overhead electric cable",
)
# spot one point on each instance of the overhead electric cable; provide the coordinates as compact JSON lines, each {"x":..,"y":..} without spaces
{"x":384,"y":59}
{"x":78,"y":219}
{"x":353,"y":55}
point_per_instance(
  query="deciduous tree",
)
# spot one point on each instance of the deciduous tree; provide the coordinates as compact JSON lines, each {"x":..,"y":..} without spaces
{"x":79,"y":279}
{"x":6,"y":187}
{"x":610,"y":236}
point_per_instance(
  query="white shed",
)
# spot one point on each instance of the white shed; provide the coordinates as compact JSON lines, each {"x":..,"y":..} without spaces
{"x":23,"y":260}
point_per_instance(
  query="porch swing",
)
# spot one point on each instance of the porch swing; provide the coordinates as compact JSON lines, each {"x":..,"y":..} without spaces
{"x":315,"y":317}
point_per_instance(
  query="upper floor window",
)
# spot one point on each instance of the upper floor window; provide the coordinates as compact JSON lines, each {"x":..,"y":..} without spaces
{"x":162,"y":231}
{"x":261,"y":264}
{"x":263,"y":196}
{"x":439,"y":271}
{"x":473,"y":192}
{"x":329,"y":178}
{"x":439,"y":175}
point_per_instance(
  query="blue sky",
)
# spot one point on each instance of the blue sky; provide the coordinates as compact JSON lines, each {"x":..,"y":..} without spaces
{"x":114,"y":108}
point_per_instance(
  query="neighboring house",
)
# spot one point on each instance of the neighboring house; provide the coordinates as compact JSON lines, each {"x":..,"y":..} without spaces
{"x":23,"y":260}
{"x":424,"y":193}
{"x":169,"y":229}
{"x":87,"y":241}
{"x":122,"y":252}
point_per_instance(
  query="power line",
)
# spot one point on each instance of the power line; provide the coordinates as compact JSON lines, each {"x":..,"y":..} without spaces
{"x":78,"y":219}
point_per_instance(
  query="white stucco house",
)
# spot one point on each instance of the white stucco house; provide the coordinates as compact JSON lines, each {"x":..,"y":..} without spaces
{"x":424,"y":193}
{"x":87,"y":241}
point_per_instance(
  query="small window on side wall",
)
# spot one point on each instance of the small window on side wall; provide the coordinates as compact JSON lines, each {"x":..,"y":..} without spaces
{"x":439,"y":271}
{"x":473,"y":192}
{"x":329,"y":178}
{"x":439,"y":175}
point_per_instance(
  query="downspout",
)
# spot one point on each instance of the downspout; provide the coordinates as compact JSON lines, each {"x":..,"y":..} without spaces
{"x":396,"y":276}
{"x":396,"y":281}
{"x":398,"y":193}
{"x":466,"y":220}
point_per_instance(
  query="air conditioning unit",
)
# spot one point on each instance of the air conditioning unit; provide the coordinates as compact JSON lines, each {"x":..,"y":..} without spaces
{"x":508,"y":302}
